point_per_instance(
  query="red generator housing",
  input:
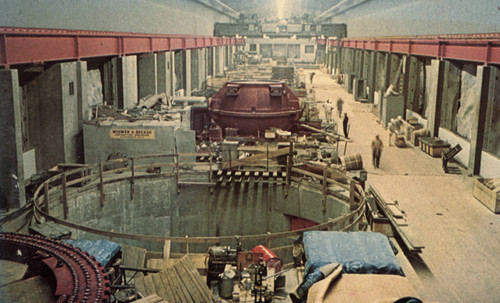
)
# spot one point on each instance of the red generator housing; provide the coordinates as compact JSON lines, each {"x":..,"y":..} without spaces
{"x":251,"y":107}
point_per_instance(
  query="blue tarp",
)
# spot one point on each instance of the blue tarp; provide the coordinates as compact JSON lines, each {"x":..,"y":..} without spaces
{"x":102,"y":250}
{"x":358,"y":252}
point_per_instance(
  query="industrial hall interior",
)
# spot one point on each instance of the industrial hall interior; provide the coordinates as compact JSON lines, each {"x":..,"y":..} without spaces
{"x":300,"y":151}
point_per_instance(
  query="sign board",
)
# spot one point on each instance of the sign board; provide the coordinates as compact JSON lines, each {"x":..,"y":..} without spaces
{"x":120,"y":133}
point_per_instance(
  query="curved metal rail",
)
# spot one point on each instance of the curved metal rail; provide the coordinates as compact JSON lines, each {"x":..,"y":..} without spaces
{"x":80,"y":277}
{"x":57,"y":189}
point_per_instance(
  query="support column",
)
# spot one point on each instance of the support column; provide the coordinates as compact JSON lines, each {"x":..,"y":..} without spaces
{"x":222,"y":59}
{"x":147,"y":75}
{"x":413,"y":72}
{"x":372,"y":76}
{"x":195,"y":69}
{"x":84,"y":110}
{"x":12,"y":193}
{"x":180,"y":71}
{"x":172,"y":74}
{"x":127,"y":84}
{"x":491,"y":137}
{"x":435,"y":97}
{"x":187,"y":75}
{"x":216,"y":59}
{"x":451,"y":91}
{"x":486,"y":76}
{"x":110,"y":82}
{"x":386,"y":80}
{"x":164,"y":73}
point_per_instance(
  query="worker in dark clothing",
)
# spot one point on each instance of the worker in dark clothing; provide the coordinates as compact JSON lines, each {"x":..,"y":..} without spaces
{"x":345,"y":123}
{"x":377,"y":147}
{"x":311,"y":76}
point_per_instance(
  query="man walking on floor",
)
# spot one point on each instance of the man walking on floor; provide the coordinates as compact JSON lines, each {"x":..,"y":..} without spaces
{"x":377,"y":147}
{"x":340,"y":103}
{"x":311,"y":76}
{"x":328,"y":107}
{"x":345,"y":124}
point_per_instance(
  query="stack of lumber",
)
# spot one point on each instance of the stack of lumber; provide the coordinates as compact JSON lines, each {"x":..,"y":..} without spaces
{"x":151,"y":299}
{"x":179,"y":283}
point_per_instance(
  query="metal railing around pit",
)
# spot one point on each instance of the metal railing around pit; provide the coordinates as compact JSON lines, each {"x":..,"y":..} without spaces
{"x":58,"y":188}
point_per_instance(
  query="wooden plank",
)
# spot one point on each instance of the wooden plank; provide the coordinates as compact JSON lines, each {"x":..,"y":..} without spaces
{"x":189,"y":265}
{"x":139,"y":284}
{"x":181,"y":284}
{"x":166,"y":250}
{"x":177,"y":291}
{"x":169,"y":292}
{"x":150,"y":299}
{"x":133,"y":256}
{"x":395,"y":211}
{"x":188,"y":284}
{"x":158,"y":283}
{"x":192,"y":272}
{"x":150,"y":286}
{"x":155,"y":264}
{"x":253,"y":159}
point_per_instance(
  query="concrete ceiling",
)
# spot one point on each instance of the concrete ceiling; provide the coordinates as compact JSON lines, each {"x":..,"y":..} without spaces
{"x":271,"y":9}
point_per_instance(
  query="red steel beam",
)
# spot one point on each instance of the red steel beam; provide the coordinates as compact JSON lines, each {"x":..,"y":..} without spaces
{"x":35,"y":45}
{"x":480,"y":48}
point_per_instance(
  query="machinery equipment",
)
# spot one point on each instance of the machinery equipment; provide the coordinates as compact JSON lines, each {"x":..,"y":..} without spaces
{"x":251,"y":107}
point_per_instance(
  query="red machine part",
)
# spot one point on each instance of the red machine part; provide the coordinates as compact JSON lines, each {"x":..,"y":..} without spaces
{"x":80,"y":277}
{"x":271,"y":259}
{"x":251,"y":107}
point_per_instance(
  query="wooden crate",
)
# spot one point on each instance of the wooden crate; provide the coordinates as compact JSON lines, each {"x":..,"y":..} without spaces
{"x":489,"y":197}
{"x":433,"y":146}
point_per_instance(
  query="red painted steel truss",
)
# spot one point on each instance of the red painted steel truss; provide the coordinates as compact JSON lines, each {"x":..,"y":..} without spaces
{"x":481,"y":48}
{"x":35,"y":45}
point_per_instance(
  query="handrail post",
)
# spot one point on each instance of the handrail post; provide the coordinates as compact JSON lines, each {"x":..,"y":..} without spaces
{"x":210,"y":164}
{"x":289,"y":168}
{"x":101,"y":184}
{"x":132,"y":181}
{"x":177,"y":168}
{"x":46,"y":196}
{"x":65,"y":196}
{"x":187,"y":245}
{"x":267,"y":156}
{"x":325,"y":190}
{"x":352,"y":195}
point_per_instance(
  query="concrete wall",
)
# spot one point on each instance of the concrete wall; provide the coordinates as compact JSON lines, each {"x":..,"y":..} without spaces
{"x":12,"y":192}
{"x":180,"y":70}
{"x":53,"y":116}
{"x":409,"y":17}
{"x":128,"y":92}
{"x":147,"y":75}
{"x":187,"y":17}
{"x":157,"y":209}
{"x":95,"y":93}
{"x":99,"y":144}
{"x":164,"y":73}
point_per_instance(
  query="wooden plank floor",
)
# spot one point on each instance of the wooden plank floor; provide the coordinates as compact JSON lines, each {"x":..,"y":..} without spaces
{"x":178,"y":283}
